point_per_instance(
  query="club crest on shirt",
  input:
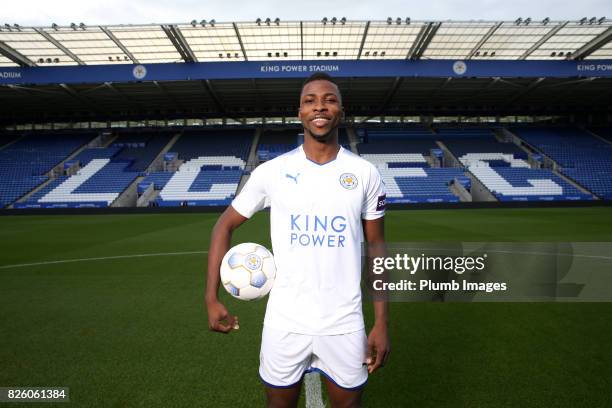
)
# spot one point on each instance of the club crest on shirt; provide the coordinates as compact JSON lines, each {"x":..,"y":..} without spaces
{"x":348,"y":181}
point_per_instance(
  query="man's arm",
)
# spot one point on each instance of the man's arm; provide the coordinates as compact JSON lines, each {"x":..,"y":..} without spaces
{"x":378,"y":340}
{"x":218,"y":318}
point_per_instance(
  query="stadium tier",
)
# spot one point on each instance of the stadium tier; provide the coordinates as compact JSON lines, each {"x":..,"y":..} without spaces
{"x":580,"y":156}
{"x":503,"y":168}
{"x":103,"y":174}
{"x":399,"y":156}
{"x":213,"y":163}
{"x":204,"y":168}
{"x":24,"y":164}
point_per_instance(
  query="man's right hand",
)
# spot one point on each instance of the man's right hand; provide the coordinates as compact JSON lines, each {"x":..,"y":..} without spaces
{"x":219,"y":319}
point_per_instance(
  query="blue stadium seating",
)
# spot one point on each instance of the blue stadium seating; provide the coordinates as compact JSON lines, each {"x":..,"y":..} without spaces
{"x":604,"y":132}
{"x":404,"y":169}
{"x":581,"y":156}
{"x":159,"y":179}
{"x":97,"y":184}
{"x":140,"y":149}
{"x":193,"y":144}
{"x":24,"y":164}
{"x":524,"y":184}
{"x":213,"y":163}
{"x":380,"y":134}
{"x":430,"y":187}
{"x":87,"y":155}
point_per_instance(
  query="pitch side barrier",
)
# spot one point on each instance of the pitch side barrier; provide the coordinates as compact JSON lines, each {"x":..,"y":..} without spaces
{"x":217,"y":209}
{"x":301,"y":69}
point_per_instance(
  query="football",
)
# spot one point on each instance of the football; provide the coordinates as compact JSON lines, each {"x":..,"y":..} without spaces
{"x":248,"y":271}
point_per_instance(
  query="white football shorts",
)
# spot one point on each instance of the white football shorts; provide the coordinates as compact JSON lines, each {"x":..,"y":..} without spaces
{"x":285,"y":358}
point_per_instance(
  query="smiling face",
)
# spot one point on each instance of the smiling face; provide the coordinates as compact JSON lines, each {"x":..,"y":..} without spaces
{"x":320,"y":109}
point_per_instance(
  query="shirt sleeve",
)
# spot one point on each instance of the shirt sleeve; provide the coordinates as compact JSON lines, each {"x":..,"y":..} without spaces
{"x":375,"y":196}
{"x":253,"y":197}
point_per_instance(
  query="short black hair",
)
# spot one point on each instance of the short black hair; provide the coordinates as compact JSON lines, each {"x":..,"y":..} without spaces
{"x":321,"y":76}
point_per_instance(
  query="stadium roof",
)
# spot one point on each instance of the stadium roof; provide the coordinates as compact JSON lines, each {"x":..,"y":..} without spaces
{"x":333,"y":39}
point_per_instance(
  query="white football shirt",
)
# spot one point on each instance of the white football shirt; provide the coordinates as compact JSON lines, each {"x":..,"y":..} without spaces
{"x":315,"y":225}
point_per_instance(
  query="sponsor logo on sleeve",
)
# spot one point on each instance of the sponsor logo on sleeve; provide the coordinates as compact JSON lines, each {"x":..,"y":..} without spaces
{"x":381,"y":203}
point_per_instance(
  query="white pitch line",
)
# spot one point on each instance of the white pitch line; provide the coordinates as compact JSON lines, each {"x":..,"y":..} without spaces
{"x":101,"y":258}
{"x":312,"y":385}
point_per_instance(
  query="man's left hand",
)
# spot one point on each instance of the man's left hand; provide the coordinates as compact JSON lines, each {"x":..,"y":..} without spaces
{"x":378,"y":347}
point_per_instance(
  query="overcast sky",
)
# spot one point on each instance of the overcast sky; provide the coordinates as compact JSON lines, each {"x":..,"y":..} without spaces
{"x":64,"y":12}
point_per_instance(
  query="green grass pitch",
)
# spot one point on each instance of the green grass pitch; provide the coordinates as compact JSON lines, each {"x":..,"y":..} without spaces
{"x":132,"y":332}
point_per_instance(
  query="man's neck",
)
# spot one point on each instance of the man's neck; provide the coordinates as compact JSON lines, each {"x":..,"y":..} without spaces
{"x":321,"y":152}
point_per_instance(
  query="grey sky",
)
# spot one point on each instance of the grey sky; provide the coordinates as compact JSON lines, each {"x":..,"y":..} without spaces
{"x":64,"y":12}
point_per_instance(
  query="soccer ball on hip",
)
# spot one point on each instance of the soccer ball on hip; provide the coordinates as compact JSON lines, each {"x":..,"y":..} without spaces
{"x":248,"y":271}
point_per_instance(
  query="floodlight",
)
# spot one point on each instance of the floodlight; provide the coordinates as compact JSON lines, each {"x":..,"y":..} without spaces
{"x":601,"y":20}
{"x":56,"y":60}
{"x":73,"y":26}
{"x":54,"y":26}
{"x":398,"y":21}
{"x":583,"y":20}
{"x":518,"y":21}
{"x":324,"y":21}
{"x":343,"y":20}
{"x":277,"y":21}
{"x":389,"y":20}
{"x":407,"y":20}
{"x":203,"y":23}
{"x":592,"y":20}
{"x":82,"y":26}
{"x":546,"y":21}
{"x":194,"y":23}
{"x":527,"y":20}
{"x":268,"y":21}
{"x":334,"y":20}
{"x":212,"y":22}
{"x":258,"y":21}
